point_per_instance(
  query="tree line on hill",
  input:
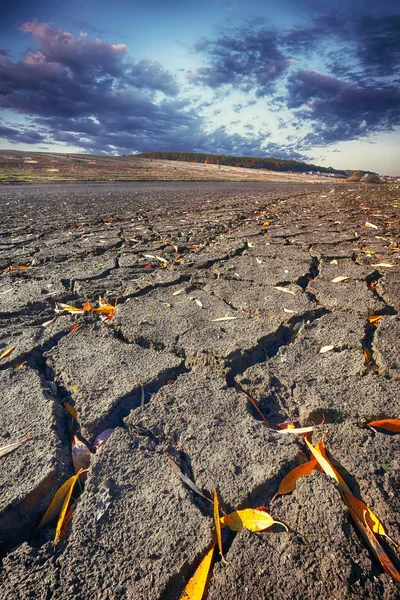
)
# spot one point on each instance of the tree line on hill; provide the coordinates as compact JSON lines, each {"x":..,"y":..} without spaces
{"x":248,"y":162}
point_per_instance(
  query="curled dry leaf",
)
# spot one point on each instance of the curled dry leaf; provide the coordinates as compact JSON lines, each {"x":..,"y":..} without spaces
{"x":7,"y":352}
{"x":283,"y":289}
{"x":101,"y":439}
{"x":223,"y":319}
{"x":10,"y":447}
{"x":339,"y":278}
{"x":80,"y":455}
{"x":197,"y":585}
{"x":326,"y":349}
{"x":388,"y":424}
{"x":387,"y":265}
{"x":249,"y":518}
{"x":288,"y":483}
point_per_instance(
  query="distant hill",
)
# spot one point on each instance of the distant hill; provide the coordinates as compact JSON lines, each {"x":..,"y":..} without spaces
{"x":248,"y":162}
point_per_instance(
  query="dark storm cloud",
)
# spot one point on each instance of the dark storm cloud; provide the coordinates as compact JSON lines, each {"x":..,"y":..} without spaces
{"x":21,"y":136}
{"x":339,"y":110}
{"x":87,"y":93}
{"x":246,"y":59}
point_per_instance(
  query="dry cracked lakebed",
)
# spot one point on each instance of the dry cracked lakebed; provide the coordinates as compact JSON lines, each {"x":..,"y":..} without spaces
{"x":209,"y":294}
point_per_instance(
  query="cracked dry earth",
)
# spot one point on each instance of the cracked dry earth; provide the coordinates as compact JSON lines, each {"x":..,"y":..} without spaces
{"x":137,"y":532}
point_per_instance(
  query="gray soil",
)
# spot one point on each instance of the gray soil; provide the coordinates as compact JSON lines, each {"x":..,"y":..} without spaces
{"x":137,"y":531}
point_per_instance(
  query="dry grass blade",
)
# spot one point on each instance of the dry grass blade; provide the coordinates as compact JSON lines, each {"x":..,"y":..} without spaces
{"x":197,"y":585}
{"x":392,"y":425}
{"x":283,"y":289}
{"x":339,"y":278}
{"x":218,"y":525}
{"x":10,"y":447}
{"x":7,"y":352}
{"x":253,"y":519}
{"x":185,"y":478}
{"x":254,"y":403}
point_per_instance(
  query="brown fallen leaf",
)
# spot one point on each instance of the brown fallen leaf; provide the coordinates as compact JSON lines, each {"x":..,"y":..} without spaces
{"x":388,"y":424}
{"x":10,"y":447}
{"x":196,"y":586}
{"x":80,"y":455}
{"x":218,"y":525}
{"x":7,"y":352}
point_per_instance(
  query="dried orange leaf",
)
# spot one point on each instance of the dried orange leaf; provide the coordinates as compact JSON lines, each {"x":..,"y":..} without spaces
{"x":10,"y":447}
{"x":326,"y":465}
{"x":80,"y":454}
{"x":185,"y":478}
{"x":364,"y":513}
{"x":339,"y":278}
{"x":375,"y":546}
{"x":249,"y":518}
{"x":367,"y":355}
{"x":374,"y":319}
{"x":196,"y":586}
{"x":218,"y":525}
{"x":388,"y":424}
{"x":21,"y":365}
{"x":266,"y":224}
{"x":7,"y":352}
{"x":70,"y":410}
{"x":288,"y":483}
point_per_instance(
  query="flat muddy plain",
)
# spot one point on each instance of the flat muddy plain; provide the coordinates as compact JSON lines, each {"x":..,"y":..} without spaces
{"x":285,"y":293}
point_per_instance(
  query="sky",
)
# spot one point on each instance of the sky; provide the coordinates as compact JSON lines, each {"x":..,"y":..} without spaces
{"x":299,"y":79}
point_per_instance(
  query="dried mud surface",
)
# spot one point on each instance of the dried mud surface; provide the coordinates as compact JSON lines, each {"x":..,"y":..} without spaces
{"x":221,"y":288}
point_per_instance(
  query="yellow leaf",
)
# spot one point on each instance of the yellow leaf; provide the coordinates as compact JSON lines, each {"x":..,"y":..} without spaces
{"x":60,"y":306}
{"x":218,"y":524}
{"x":266,"y":224}
{"x":57,"y":503}
{"x":388,"y":424}
{"x":372,"y":319}
{"x":249,"y":518}
{"x":10,"y":447}
{"x":196,"y":586}
{"x":324,"y":462}
{"x":7,"y":352}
